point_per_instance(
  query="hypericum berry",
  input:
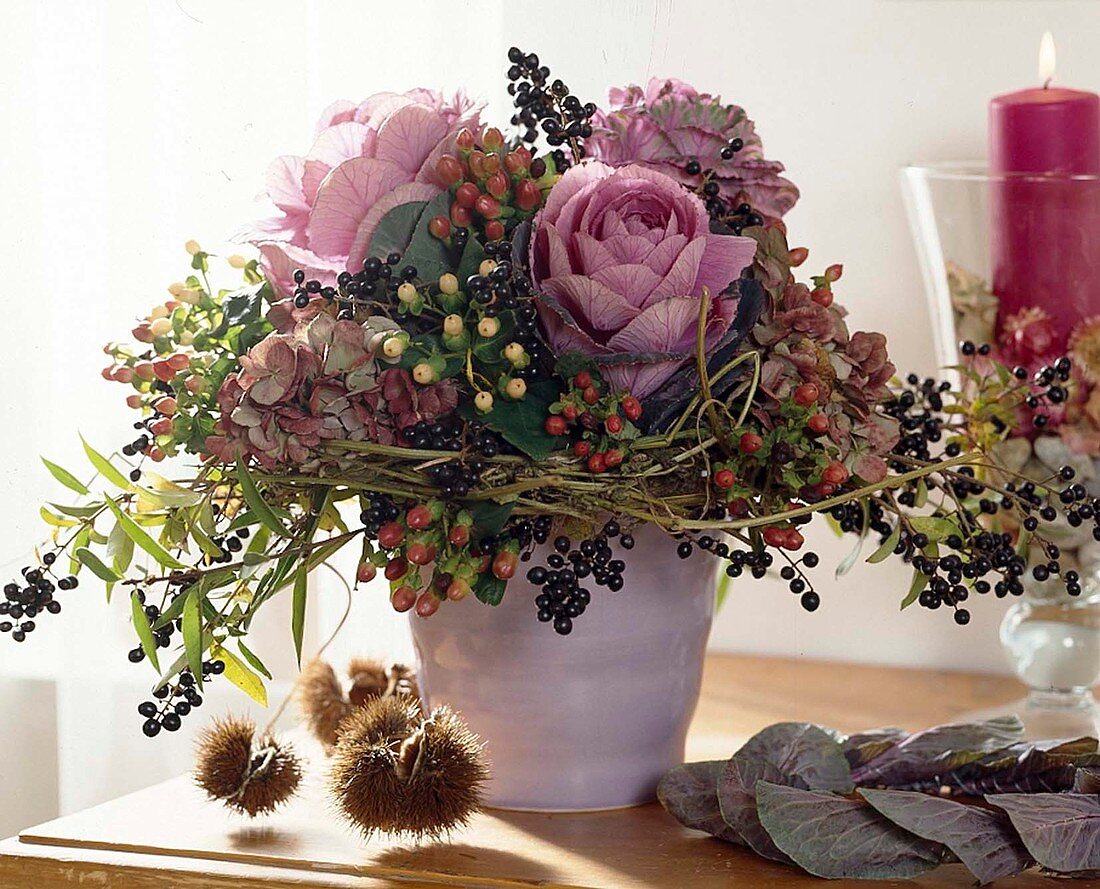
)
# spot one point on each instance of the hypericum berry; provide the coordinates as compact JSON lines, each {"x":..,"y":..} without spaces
{"x":597,"y":463}
{"x":582,"y":449}
{"x":505,"y":564}
{"x":458,"y":589}
{"x":738,"y":508}
{"x":805,"y":395}
{"x":823,"y":296}
{"x":612,"y":457}
{"x":393,"y":347}
{"x":448,"y":284}
{"x":449,"y":169}
{"x":366,"y":572}
{"x":407,"y":293}
{"x":514,"y":353}
{"x":724,"y":479}
{"x":483,"y":401}
{"x":487,"y":206}
{"x":582,"y":380}
{"x":835,"y":473}
{"x":464,"y":141}
{"x":459,"y":535}
{"x":453,"y":325}
{"x":461,"y":216}
{"x":775,"y":536}
{"x":424,"y":373}
{"x":494,"y":230}
{"x":556,"y":425}
{"x":391,"y":534}
{"x":614,"y":424}
{"x":403,"y":598}
{"x":488,"y":327}
{"x":420,"y":553}
{"x":818,"y":424}
{"x":516,"y":389}
{"x":440,"y":227}
{"x":396,"y":568}
{"x":750,"y":443}
{"x":632,"y":408}
{"x":426,"y":604}
{"x":527,"y":196}
{"x":467,"y":194}
{"x":797,"y":255}
{"x":418,"y":517}
{"x":590,"y":395}
{"x":497,"y":184}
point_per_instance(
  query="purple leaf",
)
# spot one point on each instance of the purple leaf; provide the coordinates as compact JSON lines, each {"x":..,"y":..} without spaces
{"x":1086,"y":781}
{"x":861,"y":748}
{"x":982,"y":840}
{"x":690,"y":795}
{"x":833,"y":836}
{"x":1060,"y":830}
{"x":793,"y":753}
{"x":1044,"y":767}
{"x":927,"y":755}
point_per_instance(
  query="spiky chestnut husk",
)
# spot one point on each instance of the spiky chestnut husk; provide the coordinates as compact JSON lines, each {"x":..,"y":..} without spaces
{"x":324,"y":703}
{"x":252,"y":776}
{"x":398,"y":772}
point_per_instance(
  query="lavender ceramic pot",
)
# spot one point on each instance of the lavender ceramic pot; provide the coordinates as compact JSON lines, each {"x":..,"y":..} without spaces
{"x":586,"y":721}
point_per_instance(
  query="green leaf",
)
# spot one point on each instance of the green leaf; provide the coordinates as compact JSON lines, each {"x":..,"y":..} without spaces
{"x":87,"y":557}
{"x":66,"y":478}
{"x":144,"y":631}
{"x":425,"y":250}
{"x":192,"y":630}
{"x":920,"y":581}
{"x":79,"y":542}
{"x":256,"y":502}
{"x":522,"y":423}
{"x":887,"y":546}
{"x":104,"y":467}
{"x":79,"y":512}
{"x":490,"y":589}
{"x":489,"y":517}
{"x":936,"y":528}
{"x":396,"y":228}
{"x":254,"y":661}
{"x":240,"y":675}
{"x":56,"y":521}
{"x":142,"y":539}
{"x":298,"y":618}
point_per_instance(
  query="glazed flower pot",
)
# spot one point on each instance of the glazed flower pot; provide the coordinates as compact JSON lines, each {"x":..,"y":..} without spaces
{"x":586,"y":721}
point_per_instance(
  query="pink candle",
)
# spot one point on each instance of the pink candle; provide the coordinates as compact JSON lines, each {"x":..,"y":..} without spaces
{"x":1045,"y":230}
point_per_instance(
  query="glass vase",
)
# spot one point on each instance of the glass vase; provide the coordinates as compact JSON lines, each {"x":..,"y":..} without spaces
{"x":1013,"y":260}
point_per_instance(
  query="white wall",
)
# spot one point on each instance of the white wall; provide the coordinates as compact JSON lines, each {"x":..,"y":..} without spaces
{"x":130,"y":127}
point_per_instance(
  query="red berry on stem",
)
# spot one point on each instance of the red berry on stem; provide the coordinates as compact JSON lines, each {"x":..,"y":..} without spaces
{"x":403,"y":598}
{"x":569,"y":411}
{"x":750,"y":443}
{"x":817,"y":423}
{"x":418,"y":517}
{"x":426,"y":605}
{"x":556,"y":425}
{"x":590,"y":395}
{"x":366,"y":572}
{"x":823,"y":296}
{"x":461,"y":216}
{"x":582,"y":380}
{"x":459,"y":536}
{"x":492,"y":139}
{"x":440,"y":227}
{"x":632,"y":408}
{"x":390,"y":535}
{"x":396,"y":568}
{"x":582,"y":449}
{"x":458,"y":590}
{"x":775,"y":536}
{"x":614,"y":424}
{"x":467,"y":194}
{"x":724,"y":479}
{"x":497,"y":184}
{"x":597,"y":463}
{"x":738,"y":508}
{"x":418,"y":553}
{"x":805,"y":395}
{"x":494,"y":230}
{"x":487,"y":206}
{"x":797,"y":255}
{"x":794,"y":540}
{"x":833,"y":272}
{"x":613,"y":457}
{"x":836,"y":473}
{"x":504,"y":565}
{"x":528,"y":195}
{"x":514,"y":162}
{"x":465,"y":139}
{"x":449,"y":170}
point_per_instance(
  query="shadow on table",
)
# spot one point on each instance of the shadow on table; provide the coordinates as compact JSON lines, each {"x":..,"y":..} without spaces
{"x":464,"y":860}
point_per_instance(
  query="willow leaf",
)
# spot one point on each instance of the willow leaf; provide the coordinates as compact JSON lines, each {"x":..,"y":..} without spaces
{"x":103,"y":467}
{"x":142,"y":539}
{"x":66,"y":478}
{"x":144,"y":631}
{"x":256,"y":502}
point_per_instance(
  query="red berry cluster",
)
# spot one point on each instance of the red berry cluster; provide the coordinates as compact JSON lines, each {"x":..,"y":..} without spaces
{"x":492,"y":189}
{"x":822,"y":294}
{"x":600,"y":424}
{"x":428,"y":538}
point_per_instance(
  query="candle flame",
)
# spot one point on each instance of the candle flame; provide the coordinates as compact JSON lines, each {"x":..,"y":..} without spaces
{"x":1046,"y":59}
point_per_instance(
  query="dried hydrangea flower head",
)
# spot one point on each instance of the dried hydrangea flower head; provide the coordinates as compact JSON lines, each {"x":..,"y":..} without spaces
{"x":250,"y":775}
{"x":396,"y":771}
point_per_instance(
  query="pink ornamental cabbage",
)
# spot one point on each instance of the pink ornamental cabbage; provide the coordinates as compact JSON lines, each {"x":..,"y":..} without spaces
{"x":621,"y":258}
{"x":669,"y":124}
{"x":366,"y":159}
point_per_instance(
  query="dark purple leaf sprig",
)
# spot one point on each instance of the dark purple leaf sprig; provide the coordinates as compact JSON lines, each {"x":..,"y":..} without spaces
{"x":886,"y":804}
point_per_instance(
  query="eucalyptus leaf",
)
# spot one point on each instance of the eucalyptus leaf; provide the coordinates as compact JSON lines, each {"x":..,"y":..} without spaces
{"x":144,"y":631}
{"x":981,"y":839}
{"x":690,"y":795}
{"x":79,"y":512}
{"x":142,"y":538}
{"x":836,"y":837}
{"x":66,"y":478}
{"x":104,"y":467}
{"x":1060,"y":830}
{"x":794,"y":753}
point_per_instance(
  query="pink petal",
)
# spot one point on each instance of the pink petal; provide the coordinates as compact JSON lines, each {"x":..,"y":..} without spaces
{"x":564,"y":337}
{"x":634,"y":282}
{"x":593,"y":305}
{"x":629,"y":248}
{"x":279,"y":261}
{"x":640,"y":379}
{"x":337,"y":112}
{"x":575,"y":180}
{"x":591,"y":254}
{"x":668,"y":326}
{"x":724,"y":259}
{"x":682,"y":278}
{"x":409,"y":136}
{"x":342,"y":142}
{"x":344,"y":199}
{"x":284,"y":183}
{"x":406,"y":193}
{"x":556,"y":254}
{"x":664,"y":254}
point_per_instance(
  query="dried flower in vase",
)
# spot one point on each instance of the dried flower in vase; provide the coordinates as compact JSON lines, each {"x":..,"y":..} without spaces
{"x":396,"y":771}
{"x":251,"y":775}
{"x":326,"y":703}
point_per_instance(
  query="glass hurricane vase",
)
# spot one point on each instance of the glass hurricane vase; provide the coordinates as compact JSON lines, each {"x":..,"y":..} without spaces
{"x":585,"y":721}
{"x":1014,"y":260}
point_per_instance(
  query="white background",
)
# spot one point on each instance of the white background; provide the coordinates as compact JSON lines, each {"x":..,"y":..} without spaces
{"x":130,"y":127}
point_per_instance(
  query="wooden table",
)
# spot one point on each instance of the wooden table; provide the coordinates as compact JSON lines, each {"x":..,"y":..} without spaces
{"x":168,"y":836}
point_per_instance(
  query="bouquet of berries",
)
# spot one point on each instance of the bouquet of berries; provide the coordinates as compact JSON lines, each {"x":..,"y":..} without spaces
{"x":458,"y":343}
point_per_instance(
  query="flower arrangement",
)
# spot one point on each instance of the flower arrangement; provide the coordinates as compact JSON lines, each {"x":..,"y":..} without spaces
{"x":462,"y":352}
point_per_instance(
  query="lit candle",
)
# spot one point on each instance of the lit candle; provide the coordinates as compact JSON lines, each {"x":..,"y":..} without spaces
{"x":1045,"y":229}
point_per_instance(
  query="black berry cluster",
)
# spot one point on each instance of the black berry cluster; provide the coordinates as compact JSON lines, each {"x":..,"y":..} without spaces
{"x":31,"y":596}
{"x":548,"y":104}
